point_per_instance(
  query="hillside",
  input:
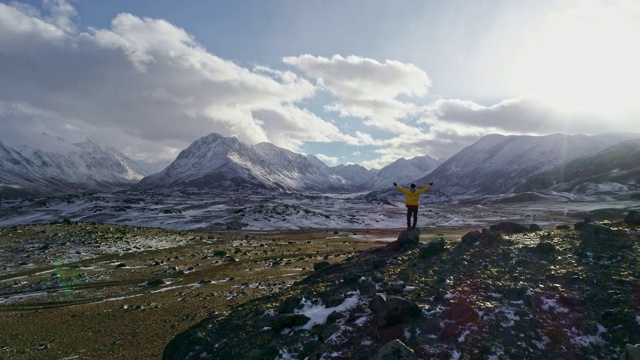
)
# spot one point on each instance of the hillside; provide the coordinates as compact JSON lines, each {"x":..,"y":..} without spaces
{"x":55,"y":166}
{"x":533,"y":293}
{"x":498,"y":164}
{"x":614,"y":170}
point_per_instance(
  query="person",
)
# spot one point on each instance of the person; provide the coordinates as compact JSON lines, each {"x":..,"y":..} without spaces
{"x":412,"y":201}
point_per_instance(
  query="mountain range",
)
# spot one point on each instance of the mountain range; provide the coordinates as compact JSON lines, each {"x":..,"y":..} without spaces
{"x":496,"y":165}
{"x":509,"y":165}
{"x":56,"y":166}
{"x":218,"y":162}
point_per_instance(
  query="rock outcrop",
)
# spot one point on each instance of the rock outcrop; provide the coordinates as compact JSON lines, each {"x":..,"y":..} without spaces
{"x":573,"y":294}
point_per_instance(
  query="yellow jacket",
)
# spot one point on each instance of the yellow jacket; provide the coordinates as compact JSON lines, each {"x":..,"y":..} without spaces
{"x":412,"y":198}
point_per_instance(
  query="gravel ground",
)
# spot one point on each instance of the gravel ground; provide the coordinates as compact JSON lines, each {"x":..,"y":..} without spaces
{"x":96,"y":291}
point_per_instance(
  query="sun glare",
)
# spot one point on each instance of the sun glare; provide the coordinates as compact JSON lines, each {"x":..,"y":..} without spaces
{"x":584,"y":58}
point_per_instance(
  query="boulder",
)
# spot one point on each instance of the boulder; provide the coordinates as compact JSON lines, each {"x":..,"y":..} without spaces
{"x":534,"y":227}
{"x":632,"y":218}
{"x":289,"y":305}
{"x":392,"y":310}
{"x":432,"y":248}
{"x":321,"y":265}
{"x":284,"y":321}
{"x":594,"y":235}
{"x":545,"y":248}
{"x":484,"y":237}
{"x":409,"y":237}
{"x":471,"y":237}
{"x":463,"y":313}
{"x":631,"y":352}
{"x":509,"y":227}
{"x":489,"y":237}
{"x":395,"y":350}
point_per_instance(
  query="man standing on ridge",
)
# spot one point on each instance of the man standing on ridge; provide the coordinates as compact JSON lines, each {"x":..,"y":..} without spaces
{"x":412,"y":201}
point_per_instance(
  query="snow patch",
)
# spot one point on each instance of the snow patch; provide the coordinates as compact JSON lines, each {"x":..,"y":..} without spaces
{"x":552,"y":304}
{"x":318,"y":313}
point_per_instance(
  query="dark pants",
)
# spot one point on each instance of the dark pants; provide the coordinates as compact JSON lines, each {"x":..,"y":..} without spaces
{"x":412,"y":210}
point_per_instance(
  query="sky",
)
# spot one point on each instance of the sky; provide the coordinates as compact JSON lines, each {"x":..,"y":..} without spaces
{"x":350,"y":81}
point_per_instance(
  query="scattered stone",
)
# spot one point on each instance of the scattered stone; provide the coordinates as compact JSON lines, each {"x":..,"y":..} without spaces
{"x":332,"y":300}
{"x":328,"y":331}
{"x":285,"y":321}
{"x":509,"y":227}
{"x":463,"y":313}
{"x":594,"y":235}
{"x":121,"y":265}
{"x":351,"y":277}
{"x":156,"y":283}
{"x":534,"y":227}
{"x":395,"y":350}
{"x":489,"y":237}
{"x":432,"y":248}
{"x":289,"y":305}
{"x":366,"y":287}
{"x":220,"y":253}
{"x":394,"y":288}
{"x":545,"y":248}
{"x":471,"y":237}
{"x":321,"y":265}
{"x":392,"y":310}
{"x":581,"y":224}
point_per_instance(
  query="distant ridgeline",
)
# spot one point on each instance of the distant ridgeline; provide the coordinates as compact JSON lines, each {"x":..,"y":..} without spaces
{"x":502,"y":168}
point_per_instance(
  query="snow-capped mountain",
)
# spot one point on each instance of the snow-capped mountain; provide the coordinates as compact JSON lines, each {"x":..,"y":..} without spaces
{"x":56,"y":166}
{"x":355,"y":174}
{"x":615,"y":170}
{"x":498,"y":164}
{"x":404,"y":171}
{"x":220,"y":163}
{"x":216,"y":162}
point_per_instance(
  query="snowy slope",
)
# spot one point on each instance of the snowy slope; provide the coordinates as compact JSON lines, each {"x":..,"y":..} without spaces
{"x":498,"y":164}
{"x":615,"y":169}
{"x":404,"y":171}
{"x":355,"y":174}
{"x":221,"y":163}
{"x":218,"y":163}
{"x":55,"y":166}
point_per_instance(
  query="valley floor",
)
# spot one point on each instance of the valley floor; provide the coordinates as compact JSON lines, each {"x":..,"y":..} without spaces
{"x":115,"y":292}
{"x":83,"y":289}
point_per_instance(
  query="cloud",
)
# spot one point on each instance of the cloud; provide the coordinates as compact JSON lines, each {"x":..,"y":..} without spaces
{"x":515,"y":116}
{"x":148,"y":87}
{"x":366,"y":88}
{"x":329,"y":160}
{"x":140,"y":82}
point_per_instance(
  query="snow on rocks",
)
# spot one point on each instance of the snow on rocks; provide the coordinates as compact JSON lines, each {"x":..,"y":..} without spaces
{"x":499,"y":298}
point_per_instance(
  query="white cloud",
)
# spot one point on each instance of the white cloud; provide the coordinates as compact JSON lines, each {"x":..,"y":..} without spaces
{"x":366,"y":88}
{"x":143,"y":81}
{"x":516,"y":116}
{"x":147,"y":86}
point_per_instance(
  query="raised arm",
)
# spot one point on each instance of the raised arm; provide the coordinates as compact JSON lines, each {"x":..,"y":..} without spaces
{"x":403,"y":190}
{"x":420,"y":191}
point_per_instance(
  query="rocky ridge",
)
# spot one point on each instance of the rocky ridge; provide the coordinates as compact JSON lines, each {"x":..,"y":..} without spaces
{"x":508,"y":292}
